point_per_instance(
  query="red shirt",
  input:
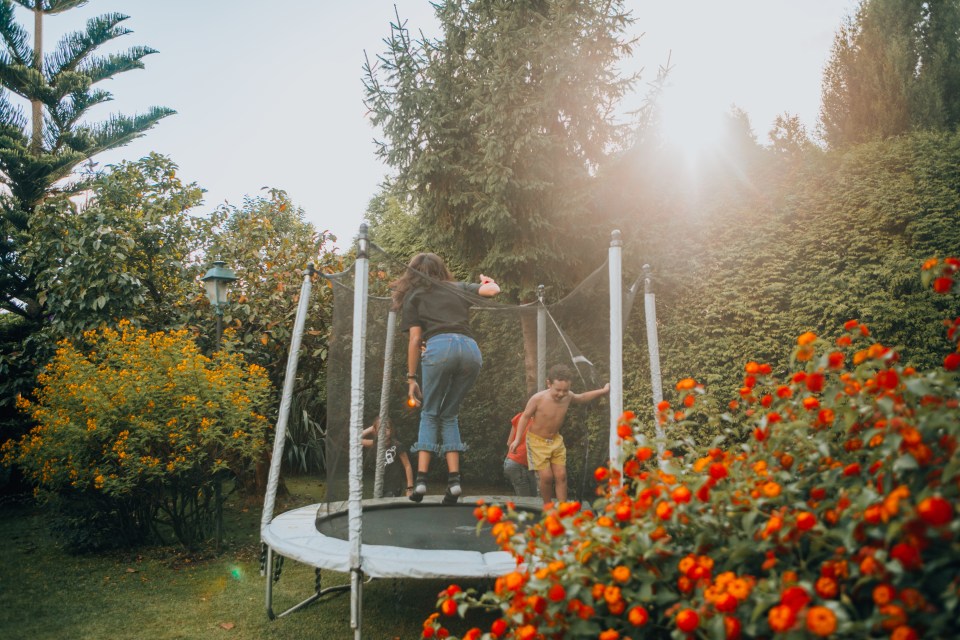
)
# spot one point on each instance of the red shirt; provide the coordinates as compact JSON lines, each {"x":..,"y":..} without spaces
{"x":520,"y":455}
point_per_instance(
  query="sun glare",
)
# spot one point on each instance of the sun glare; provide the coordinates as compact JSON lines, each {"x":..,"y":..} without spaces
{"x":691,"y":126}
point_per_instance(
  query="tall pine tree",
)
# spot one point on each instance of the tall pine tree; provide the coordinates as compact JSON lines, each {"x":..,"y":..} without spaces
{"x":37,"y":153}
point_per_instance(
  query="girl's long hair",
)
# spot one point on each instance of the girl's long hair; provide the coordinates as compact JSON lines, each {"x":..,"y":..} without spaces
{"x":423,"y":270}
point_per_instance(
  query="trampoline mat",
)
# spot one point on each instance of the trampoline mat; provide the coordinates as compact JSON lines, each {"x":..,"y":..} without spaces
{"x":418,"y":526}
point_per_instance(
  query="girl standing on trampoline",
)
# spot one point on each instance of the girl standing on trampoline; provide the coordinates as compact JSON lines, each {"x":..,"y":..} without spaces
{"x":435,"y":311}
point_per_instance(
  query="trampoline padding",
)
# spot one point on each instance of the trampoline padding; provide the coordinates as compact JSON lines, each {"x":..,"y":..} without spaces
{"x":443,"y":539}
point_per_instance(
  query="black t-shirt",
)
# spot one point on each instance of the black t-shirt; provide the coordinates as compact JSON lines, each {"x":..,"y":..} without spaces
{"x":441,"y":308}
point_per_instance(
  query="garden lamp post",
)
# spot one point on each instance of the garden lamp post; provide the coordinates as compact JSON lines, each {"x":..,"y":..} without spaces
{"x":216,"y":281}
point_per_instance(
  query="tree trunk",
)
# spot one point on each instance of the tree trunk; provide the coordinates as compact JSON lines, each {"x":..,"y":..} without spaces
{"x":36,"y":143}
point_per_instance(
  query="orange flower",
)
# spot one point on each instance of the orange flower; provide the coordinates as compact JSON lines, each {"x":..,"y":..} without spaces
{"x":514,"y":580}
{"x":806,"y":338}
{"x":781,"y":618}
{"x":903,"y":632}
{"x":449,"y":607}
{"x":553,"y":525}
{"x":638,"y":616}
{"x":686,"y":384}
{"x":664,"y":510}
{"x":621,"y":574}
{"x":826,"y":588}
{"x":609,"y":634}
{"x":739,"y":589}
{"x":883,"y":594}
{"x":821,"y":621}
{"x":527,"y":632}
{"x":611,"y":594}
{"x":771,"y":489}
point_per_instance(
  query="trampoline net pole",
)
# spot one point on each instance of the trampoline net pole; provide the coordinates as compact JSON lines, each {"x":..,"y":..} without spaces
{"x":289,"y":378}
{"x":653,"y":347}
{"x":358,"y":354}
{"x":541,"y":341}
{"x":382,"y":440}
{"x":616,"y":344}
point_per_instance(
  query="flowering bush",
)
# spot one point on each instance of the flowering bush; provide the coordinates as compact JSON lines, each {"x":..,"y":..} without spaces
{"x":147,"y":424}
{"x":827,"y":506}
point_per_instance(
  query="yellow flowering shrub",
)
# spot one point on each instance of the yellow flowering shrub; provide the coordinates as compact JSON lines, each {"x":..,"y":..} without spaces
{"x":147,"y":422}
{"x":827,"y":506}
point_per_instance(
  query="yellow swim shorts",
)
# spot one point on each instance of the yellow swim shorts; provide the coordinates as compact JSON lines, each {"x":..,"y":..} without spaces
{"x":542,"y":452}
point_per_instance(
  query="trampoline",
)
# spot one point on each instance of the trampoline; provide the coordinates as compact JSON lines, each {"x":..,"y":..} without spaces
{"x":401,"y":539}
{"x":389,"y":537}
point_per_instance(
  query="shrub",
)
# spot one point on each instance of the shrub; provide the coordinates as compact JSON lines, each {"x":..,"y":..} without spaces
{"x":143,"y":426}
{"x":827,"y":506}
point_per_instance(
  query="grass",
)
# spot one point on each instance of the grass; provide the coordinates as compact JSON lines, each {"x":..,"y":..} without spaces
{"x":162,"y":593}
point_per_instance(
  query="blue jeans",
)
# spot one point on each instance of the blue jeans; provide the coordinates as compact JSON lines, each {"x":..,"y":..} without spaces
{"x":523,"y":480}
{"x":449,"y":367}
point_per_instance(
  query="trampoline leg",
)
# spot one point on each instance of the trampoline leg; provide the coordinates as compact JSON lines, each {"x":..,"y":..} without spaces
{"x":319,"y":593}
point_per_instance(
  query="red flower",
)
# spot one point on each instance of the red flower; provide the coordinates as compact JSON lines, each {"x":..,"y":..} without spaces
{"x":835,"y":360}
{"x":557,"y":592}
{"x":935,"y":511}
{"x":688,"y":620}
{"x":703,"y":493}
{"x":943,"y":285}
{"x":806,"y":521}
{"x":951,"y":362}
{"x":814,"y":382}
{"x":795,"y":597}
{"x":888,"y":379}
{"x":852,"y":469}
{"x":907,"y":555}
{"x":718,"y":471}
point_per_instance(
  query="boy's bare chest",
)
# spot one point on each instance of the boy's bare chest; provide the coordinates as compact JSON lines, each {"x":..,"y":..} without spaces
{"x":550,"y":414}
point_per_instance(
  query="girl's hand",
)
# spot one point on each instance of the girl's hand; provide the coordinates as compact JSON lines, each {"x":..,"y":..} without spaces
{"x":485,"y":279}
{"x":413,"y":393}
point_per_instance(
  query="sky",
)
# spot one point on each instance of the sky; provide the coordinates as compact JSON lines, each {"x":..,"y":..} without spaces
{"x":270,"y":94}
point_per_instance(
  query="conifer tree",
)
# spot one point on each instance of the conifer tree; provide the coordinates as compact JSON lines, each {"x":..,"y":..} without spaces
{"x":40,"y":152}
{"x":895,"y":67}
{"x":498,"y":128}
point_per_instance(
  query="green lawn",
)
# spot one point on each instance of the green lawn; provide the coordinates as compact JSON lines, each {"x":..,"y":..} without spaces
{"x":160,"y":593}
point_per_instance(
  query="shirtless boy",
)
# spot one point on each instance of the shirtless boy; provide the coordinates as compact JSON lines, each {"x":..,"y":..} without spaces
{"x":544,"y":414}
